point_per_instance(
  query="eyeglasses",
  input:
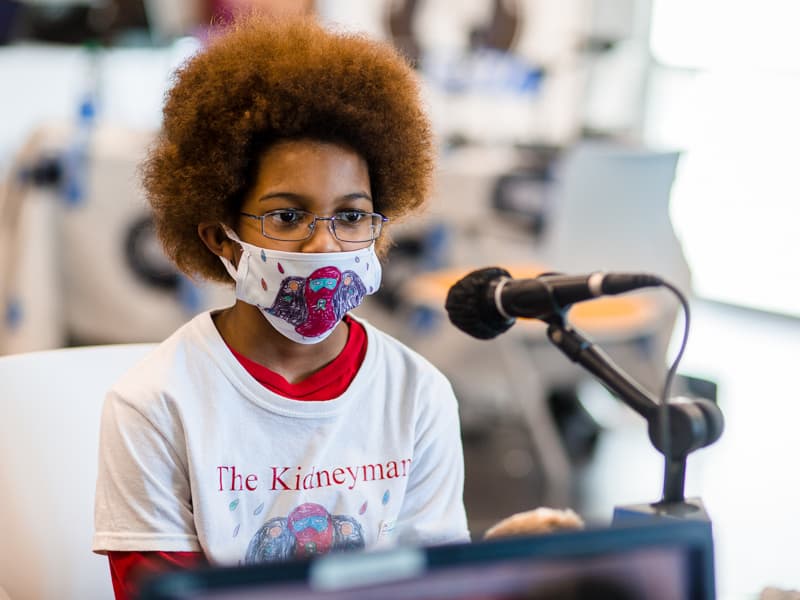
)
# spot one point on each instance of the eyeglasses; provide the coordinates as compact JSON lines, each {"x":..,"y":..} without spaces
{"x":295,"y":225}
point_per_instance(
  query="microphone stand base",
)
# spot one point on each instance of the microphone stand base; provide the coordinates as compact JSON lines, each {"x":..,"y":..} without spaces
{"x":689,"y":509}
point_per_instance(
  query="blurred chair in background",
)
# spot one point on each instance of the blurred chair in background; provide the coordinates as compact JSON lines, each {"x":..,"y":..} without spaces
{"x":612,"y":214}
{"x":49,"y":436}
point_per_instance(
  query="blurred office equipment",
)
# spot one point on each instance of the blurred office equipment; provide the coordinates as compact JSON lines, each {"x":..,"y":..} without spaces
{"x":75,"y":21}
{"x":80,"y":260}
{"x":127,"y":22}
{"x":517,"y":71}
{"x":49,"y":435}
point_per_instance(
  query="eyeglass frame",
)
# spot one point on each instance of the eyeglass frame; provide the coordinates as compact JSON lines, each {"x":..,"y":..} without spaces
{"x":313,"y":225}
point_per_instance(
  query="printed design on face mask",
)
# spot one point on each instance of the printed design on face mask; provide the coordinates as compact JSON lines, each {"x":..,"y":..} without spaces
{"x":290,"y":304}
{"x":317,"y":303}
{"x":308,"y":530}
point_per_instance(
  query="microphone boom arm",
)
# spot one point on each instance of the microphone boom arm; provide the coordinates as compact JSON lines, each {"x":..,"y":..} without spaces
{"x":688,"y":428}
{"x":580,"y":350}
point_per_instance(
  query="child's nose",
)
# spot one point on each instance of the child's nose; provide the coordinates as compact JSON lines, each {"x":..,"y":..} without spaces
{"x":322,"y":239}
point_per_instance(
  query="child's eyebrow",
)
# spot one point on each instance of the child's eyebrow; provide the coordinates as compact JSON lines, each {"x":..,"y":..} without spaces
{"x":300,"y":197}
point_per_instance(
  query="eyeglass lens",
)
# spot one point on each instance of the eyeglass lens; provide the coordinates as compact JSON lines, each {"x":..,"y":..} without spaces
{"x":296,"y":225}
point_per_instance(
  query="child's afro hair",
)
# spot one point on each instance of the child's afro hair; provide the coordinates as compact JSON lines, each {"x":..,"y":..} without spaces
{"x":260,"y":81}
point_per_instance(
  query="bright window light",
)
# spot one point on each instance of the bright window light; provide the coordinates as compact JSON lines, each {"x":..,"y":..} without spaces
{"x":726,"y":91}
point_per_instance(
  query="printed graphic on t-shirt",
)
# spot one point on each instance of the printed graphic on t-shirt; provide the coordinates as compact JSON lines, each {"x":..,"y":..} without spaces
{"x":307,"y":531}
{"x":316,"y":304}
{"x":309,"y":528}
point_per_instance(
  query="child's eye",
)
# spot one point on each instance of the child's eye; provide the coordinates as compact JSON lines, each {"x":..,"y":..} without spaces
{"x":285,"y":217}
{"x":351,"y":217}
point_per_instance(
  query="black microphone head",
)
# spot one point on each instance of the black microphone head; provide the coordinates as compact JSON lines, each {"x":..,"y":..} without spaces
{"x":471,"y":307}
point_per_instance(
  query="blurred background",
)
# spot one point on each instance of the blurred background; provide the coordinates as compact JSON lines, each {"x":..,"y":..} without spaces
{"x":573,"y":136}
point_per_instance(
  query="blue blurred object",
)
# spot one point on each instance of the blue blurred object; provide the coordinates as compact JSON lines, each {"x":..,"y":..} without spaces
{"x":9,"y":11}
{"x":76,"y":158}
{"x":14,"y":313}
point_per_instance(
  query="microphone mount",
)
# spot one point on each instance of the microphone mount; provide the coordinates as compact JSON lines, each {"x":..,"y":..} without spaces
{"x":692,"y":423}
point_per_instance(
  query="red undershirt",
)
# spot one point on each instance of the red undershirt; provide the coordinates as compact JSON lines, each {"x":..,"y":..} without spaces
{"x":328,"y":383}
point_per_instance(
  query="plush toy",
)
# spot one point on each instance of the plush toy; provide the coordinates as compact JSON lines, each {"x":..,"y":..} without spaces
{"x":538,"y":520}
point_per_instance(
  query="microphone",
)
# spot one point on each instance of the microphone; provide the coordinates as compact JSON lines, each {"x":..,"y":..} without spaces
{"x":486,"y":302}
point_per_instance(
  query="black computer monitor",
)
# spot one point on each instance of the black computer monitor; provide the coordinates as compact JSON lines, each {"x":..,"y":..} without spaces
{"x":663,"y":560}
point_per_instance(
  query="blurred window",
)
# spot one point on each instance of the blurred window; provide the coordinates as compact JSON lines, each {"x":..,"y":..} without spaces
{"x":725,"y":88}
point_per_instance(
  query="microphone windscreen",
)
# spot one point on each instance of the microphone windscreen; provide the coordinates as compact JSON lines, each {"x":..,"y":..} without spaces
{"x":470,"y":304}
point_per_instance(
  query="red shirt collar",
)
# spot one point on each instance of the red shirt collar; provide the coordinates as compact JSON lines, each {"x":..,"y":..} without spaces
{"x":330,"y":382}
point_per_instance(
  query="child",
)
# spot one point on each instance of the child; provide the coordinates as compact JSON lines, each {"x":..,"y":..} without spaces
{"x":281,"y":427}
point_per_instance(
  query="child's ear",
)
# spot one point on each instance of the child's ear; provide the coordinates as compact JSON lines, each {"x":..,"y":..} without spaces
{"x":216,"y":240}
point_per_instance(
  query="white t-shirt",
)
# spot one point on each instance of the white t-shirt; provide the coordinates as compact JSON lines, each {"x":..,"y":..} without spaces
{"x":196,"y":455}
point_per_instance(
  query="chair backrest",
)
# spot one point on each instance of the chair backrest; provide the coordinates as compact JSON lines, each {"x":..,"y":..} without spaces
{"x":612,"y":213}
{"x":49,"y":430}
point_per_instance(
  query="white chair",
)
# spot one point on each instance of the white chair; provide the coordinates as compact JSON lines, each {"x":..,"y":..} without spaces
{"x":49,"y":432}
{"x":612,"y":214}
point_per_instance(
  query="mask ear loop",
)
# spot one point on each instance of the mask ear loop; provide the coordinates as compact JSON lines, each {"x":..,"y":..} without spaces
{"x":230,"y":233}
{"x":239,"y":273}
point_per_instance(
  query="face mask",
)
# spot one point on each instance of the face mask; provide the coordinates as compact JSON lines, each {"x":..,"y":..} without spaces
{"x":304,"y":295}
